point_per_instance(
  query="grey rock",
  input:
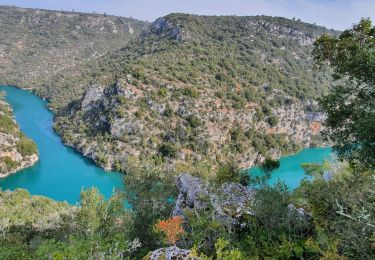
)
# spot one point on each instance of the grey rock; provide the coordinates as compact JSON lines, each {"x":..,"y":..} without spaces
{"x":162,"y":26}
{"x":91,"y":97}
{"x":121,"y":127}
{"x":170,"y":253}
{"x":230,"y":201}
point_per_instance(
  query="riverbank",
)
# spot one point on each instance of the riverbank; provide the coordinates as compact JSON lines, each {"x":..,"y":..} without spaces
{"x":61,"y":172}
{"x":64,"y":166}
{"x":17,"y":151}
{"x":291,"y":171}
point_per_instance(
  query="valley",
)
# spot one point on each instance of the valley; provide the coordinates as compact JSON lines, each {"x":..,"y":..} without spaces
{"x":183,"y":90}
{"x":190,"y":137}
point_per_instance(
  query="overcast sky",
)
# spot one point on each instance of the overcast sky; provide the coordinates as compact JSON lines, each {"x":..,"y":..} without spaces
{"x":337,"y":14}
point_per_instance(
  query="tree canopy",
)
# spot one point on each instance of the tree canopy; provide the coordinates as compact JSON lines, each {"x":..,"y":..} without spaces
{"x":350,"y":106}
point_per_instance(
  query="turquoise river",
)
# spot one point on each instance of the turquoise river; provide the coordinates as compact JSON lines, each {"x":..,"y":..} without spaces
{"x":61,"y":173}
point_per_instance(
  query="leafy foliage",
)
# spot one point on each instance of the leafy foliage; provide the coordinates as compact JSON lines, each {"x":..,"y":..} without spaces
{"x":171,"y":228}
{"x":350,"y":106}
{"x":15,"y":147}
{"x":26,"y":146}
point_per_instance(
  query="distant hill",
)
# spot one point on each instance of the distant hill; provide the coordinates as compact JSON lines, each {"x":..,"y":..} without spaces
{"x":202,"y":89}
{"x":42,"y":49}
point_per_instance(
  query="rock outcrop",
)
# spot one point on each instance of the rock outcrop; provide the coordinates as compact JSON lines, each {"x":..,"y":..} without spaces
{"x":208,"y":89}
{"x":229,"y":202}
{"x":170,"y":253}
{"x":164,"y":27}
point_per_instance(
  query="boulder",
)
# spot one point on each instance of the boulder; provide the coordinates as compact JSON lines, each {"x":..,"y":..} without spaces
{"x":170,"y":253}
{"x":230,"y":201}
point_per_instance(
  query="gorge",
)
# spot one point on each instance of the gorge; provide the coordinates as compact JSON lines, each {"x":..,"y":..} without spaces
{"x":190,"y":137}
{"x":62,"y":173}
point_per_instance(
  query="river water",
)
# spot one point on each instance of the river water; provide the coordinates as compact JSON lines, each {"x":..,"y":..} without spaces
{"x":61,"y":173}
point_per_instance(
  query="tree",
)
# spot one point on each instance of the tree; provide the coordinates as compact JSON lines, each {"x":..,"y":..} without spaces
{"x":171,"y":228}
{"x":168,"y":150}
{"x":350,"y":106}
{"x":149,"y":191}
{"x":267,"y":167}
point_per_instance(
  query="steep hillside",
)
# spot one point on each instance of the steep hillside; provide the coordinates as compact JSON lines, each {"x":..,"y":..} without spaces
{"x":16,"y":150}
{"x":201,"y":90}
{"x":43,"y":50}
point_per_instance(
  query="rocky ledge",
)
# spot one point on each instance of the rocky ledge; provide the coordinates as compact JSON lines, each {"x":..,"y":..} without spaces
{"x":169,"y":253}
{"x":229,"y":202}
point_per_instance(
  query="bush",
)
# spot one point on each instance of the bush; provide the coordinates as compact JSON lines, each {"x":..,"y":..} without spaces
{"x":190,"y":92}
{"x":194,"y":121}
{"x":10,"y":164}
{"x":26,"y":147}
{"x":228,"y":172}
{"x":168,"y":150}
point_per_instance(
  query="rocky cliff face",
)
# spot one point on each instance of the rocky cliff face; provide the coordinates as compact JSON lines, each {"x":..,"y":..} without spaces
{"x":164,"y":28}
{"x":199,"y":90}
{"x":16,"y":151}
{"x":137,"y":125}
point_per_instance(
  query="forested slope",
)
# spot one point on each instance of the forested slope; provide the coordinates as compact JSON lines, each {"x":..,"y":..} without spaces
{"x":191,"y":86}
{"x":42,"y":49}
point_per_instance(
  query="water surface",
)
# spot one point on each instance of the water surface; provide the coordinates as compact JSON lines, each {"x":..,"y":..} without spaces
{"x":61,"y":173}
{"x":290,"y":170}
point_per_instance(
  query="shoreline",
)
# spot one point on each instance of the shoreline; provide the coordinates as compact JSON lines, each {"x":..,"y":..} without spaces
{"x":34,"y":160}
{"x":290,"y":154}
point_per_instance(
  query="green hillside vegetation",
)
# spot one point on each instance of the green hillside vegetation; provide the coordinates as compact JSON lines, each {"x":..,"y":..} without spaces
{"x":331,"y":215}
{"x":207,"y":88}
{"x":219,"y":53}
{"x":340,"y":225}
{"x":43,"y":49}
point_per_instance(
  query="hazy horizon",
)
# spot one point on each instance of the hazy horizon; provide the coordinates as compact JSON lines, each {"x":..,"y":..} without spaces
{"x":335,"y":14}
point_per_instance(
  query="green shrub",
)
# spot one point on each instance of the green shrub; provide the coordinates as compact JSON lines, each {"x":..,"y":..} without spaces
{"x":190,"y":92}
{"x":168,"y":150}
{"x":228,"y":172}
{"x":7,"y":125}
{"x":26,"y":147}
{"x":194,"y":121}
{"x":10,"y":164}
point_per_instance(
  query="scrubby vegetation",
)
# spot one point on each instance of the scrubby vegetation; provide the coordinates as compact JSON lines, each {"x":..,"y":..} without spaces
{"x":16,"y":150}
{"x":202,"y":89}
{"x":330,"y":216}
{"x":48,"y":51}
{"x":322,"y":219}
{"x":26,"y":146}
